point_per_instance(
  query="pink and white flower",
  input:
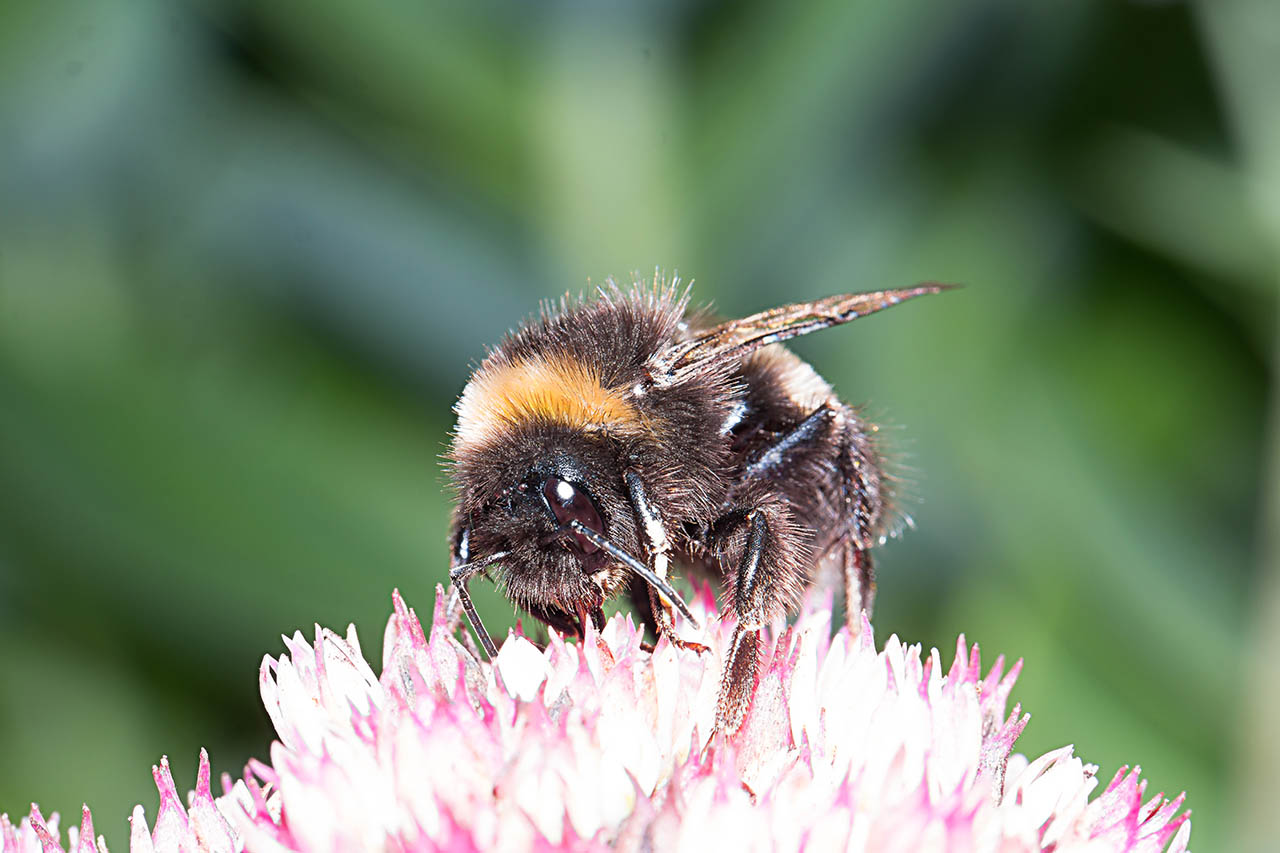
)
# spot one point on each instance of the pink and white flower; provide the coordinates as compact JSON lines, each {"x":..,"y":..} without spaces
{"x":604,"y":745}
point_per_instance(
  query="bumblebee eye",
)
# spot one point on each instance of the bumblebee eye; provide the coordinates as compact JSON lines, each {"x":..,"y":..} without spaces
{"x":568,"y":503}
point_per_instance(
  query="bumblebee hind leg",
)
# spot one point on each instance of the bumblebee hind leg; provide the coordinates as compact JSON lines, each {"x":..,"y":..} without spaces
{"x":859,"y":581}
{"x":861,"y":488}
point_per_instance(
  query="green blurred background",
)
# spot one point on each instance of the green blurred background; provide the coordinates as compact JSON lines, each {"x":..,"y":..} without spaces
{"x":248,"y":252}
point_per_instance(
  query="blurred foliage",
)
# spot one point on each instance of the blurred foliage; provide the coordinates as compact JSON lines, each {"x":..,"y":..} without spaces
{"x":248,"y":252}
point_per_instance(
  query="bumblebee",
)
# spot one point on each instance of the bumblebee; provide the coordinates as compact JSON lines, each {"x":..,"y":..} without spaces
{"x":612,"y":437}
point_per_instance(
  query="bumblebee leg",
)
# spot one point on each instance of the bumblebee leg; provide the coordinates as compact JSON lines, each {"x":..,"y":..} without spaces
{"x":861,"y":482}
{"x":657,"y":548}
{"x":763,"y":546}
{"x":859,"y":582}
{"x":460,"y":584}
{"x":459,"y":554}
{"x":458,"y":576}
{"x":453,"y":622}
{"x":742,"y":659}
{"x":664,"y":626}
{"x":808,"y":436}
{"x":808,"y":432}
{"x":738,"y":683}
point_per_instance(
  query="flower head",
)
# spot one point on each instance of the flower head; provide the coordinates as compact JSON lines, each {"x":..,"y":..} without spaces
{"x":606,"y":745}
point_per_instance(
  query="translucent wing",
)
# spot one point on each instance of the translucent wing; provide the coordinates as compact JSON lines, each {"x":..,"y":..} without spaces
{"x":736,"y":338}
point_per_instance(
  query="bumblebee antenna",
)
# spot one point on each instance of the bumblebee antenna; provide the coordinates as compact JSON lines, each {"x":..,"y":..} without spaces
{"x":646,"y":574}
{"x":458,"y":576}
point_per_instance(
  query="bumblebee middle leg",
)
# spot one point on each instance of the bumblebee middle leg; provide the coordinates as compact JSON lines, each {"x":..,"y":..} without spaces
{"x":831,"y":452}
{"x":762,"y":552}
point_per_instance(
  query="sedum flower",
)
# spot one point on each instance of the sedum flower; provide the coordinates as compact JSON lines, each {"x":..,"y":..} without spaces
{"x":605,"y":745}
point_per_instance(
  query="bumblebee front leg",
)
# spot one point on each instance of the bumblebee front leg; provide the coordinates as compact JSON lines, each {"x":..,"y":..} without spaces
{"x":761,"y":547}
{"x":657,"y":551}
{"x":459,"y":554}
{"x":461,"y":569}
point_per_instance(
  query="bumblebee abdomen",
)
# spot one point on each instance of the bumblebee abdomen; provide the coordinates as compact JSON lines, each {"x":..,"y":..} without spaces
{"x":797,"y":437}
{"x":781,"y":379}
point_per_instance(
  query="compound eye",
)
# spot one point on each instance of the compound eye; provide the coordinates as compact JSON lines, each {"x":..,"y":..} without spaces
{"x":568,"y":502}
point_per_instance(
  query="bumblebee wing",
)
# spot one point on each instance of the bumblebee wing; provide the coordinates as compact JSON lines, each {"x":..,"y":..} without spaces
{"x":732,"y":340}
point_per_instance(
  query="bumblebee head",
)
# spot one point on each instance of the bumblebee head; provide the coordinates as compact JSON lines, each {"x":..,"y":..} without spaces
{"x":520,"y":496}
